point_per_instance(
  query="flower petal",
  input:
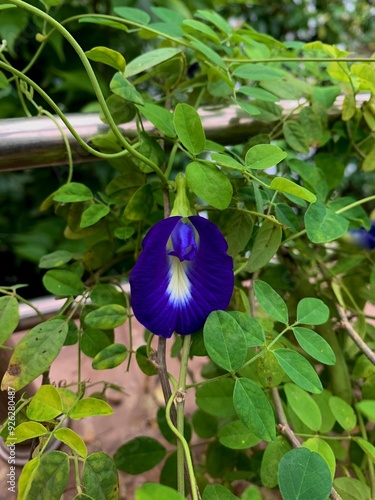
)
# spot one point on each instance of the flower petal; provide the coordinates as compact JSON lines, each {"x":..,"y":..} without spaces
{"x":169,"y":294}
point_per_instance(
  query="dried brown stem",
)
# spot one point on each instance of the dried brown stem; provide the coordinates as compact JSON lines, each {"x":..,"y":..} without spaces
{"x":286,"y":430}
{"x":354,"y":335}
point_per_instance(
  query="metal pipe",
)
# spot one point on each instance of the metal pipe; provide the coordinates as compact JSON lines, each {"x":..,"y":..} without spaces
{"x":37,"y":142}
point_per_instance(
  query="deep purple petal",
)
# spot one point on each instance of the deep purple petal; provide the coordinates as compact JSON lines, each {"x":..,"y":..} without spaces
{"x":363,"y":238}
{"x":172,"y":294}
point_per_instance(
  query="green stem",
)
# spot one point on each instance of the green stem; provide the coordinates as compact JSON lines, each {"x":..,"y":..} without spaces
{"x":180,"y":437}
{"x":94,"y":82}
{"x":180,"y":402}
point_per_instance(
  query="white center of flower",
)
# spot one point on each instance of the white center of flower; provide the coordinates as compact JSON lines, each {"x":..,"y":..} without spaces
{"x":179,"y":284}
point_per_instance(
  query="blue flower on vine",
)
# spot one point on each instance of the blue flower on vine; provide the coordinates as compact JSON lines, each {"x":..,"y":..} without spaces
{"x":364,"y":239}
{"x":182,"y":275}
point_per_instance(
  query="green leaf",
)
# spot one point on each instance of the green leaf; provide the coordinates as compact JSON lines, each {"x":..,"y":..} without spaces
{"x":205,"y":425}
{"x":225,"y":341}
{"x":254,"y":409}
{"x":257,"y":72}
{"x":123,"y":88}
{"x":9,"y":317}
{"x":131,"y":14}
{"x":368,"y":164}
{"x":45,"y":404}
{"x":93,"y":214}
{"x":210,"y":184}
{"x":189,"y":128}
{"x":367,"y":447}
{"x":49,"y":478}
{"x":63,"y":283}
{"x":216,"y":398}
{"x":154,"y":491}
{"x":71,"y":439}
{"x":107,"y":56}
{"x":28,"y":430}
{"x":237,"y":436}
{"x":149,"y":60}
{"x":287,"y":186}
{"x":266,"y":244}
{"x":343,"y":413}
{"x":160,"y":117}
{"x":110,"y":357}
{"x":328,"y":420}
{"x":303,"y":406}
{"x":352,"y":489}
{"x":296,"y":137}
{"x":324,"y":450}
{"x":263,"y":156}
{"x":144,"y":363}
{"x":72,"y":192}
{"x":271,"y":459}
{"x":253,"y":331}
{"x":217,"y":492}
{"x":299,"y":370}
{"x":140,"y":204}
{"x":311,"y":311}
{"x":94,"y":341}
{"x":104,"y":22}
{"x":209,"y":53}
{"x":270,"y":301}
{"x":323,"y":225}
{"x":103,"y":295}
{"x":100,"y":478}
{"x":287,"y":217}
{"x":304,"y":474}
{"x":55,"y":259}
{"x":227,"y":161}
{"x":239,"y":226}
{"x":192,"y":25}
{"x":257,"y":93}
{"x":90,"y":407}
{"x":139,"y":455}
{"x":34,"y":353}
{"x":315,"y":345}
{"x":106,"y":317}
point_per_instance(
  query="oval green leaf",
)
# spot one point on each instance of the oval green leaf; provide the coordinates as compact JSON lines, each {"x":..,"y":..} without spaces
{"x":99,"y":477}
{"x":71,"y":439}
{"x":303,"y":406}
{"x":28,"y":430}
{"x":63,"y":283}
{"x":315,"y":345}
{"x":216,"y":398}
{"x":254,"y":409}
{"x":34,"y":353}
{"x":45,"y":404}
{"x":299,"y":370}
{"x":263,"y":156}
{"x":110,"y":357}
{"x":270,"y":301}
{"x":107,"y":56}
{"x":93,"y":214}
{"x":323,"y":224}
{"x":343,"y":413}
{"x":319,"y":446}
{"x":287,"y":186}
{"x":72,"y":192}
{"x":139,"y":455}
{"x":140,"y":204}
{"x":304,"y":474}
{"x":149,"y":60}
{"x":189,"y":128}
{"x":55,"y":259}
{"x":9,"y":317}
{"x":210,"y":184}
{"x":225,"y":341}
{"x":237,"y":436}
{"x":90,"y":407}
{"x":311,"y":311}
{"x":106,"y":317}
{"x":266,"y":244}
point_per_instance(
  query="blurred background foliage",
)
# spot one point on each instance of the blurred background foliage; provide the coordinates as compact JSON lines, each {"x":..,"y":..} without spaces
{"x":26,"y":234}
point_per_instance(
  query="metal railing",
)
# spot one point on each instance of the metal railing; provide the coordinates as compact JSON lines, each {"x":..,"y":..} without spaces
{"x":37,"y":142}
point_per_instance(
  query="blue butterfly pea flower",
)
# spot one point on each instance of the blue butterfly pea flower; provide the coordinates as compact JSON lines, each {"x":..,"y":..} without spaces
{"x":364,"y":239}
{"x":182,"y":274}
